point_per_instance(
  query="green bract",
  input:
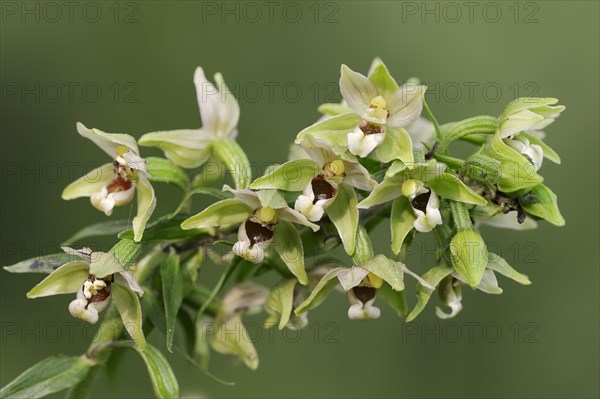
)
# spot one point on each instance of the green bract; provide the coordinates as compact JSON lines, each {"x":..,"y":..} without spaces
{"x":306,"y":225}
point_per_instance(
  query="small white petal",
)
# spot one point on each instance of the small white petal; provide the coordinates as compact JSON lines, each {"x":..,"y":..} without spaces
{"x":361,"y":144}
{"x":252,"y":253}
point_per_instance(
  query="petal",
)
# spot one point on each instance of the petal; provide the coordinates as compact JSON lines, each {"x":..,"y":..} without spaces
{"x":401,"y":222}
{"x":320,"y":292}
{"x":291,"y":176}
{"x":396,"y":145}
{"x":128,"y":305}
{"x":252,"y":253}
{"x":245,"y":195}
{"x":288,"y":245}
{"x":385,"y":191}
{"x":231,"y":338}
{"x":350,"y":278}
{"x":109,"y":142}
{"x":294,"y":216}
{"x":79,"y":309}
{"x":421,"y":132}
{"x":332,"y":131}
{"x":67,"y":279}
{"x":126,"y":278}
{"x":387,"y":270}
{"x":145,"y":207}
{"x":280,"y":303}
{"x":343,"y":212}
{"x":361,"y":144}
{"x":223,"y":213}
{"x":91,"y":183}
{"x":187,"y":148}
{"x":405,"y":105}
{"x":358,"y":176}
{"x":357,"y":90}
{"x":243,"y":297}
{"x":219,"y":109}
{"x":304,"y":205}
{"x":381,"y":78}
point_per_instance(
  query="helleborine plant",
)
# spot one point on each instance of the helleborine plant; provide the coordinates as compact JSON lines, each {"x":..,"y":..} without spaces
{"x":371,"y":159}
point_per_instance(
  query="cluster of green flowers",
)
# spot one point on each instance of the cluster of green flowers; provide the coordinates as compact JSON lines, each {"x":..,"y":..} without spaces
{"x":371,"y":158}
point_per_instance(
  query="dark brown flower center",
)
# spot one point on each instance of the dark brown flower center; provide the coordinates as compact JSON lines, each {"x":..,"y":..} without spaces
{"x":420,"y":201}
{"x":322,"y":189}
{"x":258,"y":232}
{"x":119,"y":184}
{"x":370,"y":128}
{"x":99,"y":295}
{"x":364,"y":293}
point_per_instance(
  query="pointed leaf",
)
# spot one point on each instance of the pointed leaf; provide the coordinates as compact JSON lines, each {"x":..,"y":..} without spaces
{"x":108,"y":228}
{"x":172,"y":289}
{"x":543,"y":203}
{"x":51,"y":375}
{"x":165,"y":229}
{"x":498,"y":264}
{"x":387,"y":270}
{"x":42,"y":264}
{"x":163,"y":379}
{"x":126,"y":252}
{"x":164,"y":171}
{"x":450,"y":187}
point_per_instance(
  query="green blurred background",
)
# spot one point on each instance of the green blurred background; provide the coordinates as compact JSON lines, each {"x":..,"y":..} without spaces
{"x":475,"y":57}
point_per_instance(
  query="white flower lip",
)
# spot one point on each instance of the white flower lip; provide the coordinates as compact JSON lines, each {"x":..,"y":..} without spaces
{"x":533,"y":152}
{"x":362,"y":144}
{"x":431,"y":217}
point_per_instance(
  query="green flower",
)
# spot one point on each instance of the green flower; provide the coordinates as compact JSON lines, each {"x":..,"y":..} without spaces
{"x":379,"y":111}
{"x":263,"y":217}
{"x":114,"y":184}
{"x":219,"y":111}
{"x":97,"y":278}
{"x":528,"y":114}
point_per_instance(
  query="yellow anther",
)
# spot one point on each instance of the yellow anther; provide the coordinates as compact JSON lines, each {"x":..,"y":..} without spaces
{"x":409,"y":187}
{"x":378,"y":102}
{"x":267,"y":214}
{"x":121,"y":150}
{"x":337,"y":167}
{"x":374,"y":280}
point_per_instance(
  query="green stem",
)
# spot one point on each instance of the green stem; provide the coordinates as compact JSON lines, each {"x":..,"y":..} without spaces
{"x":438,"y":132}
